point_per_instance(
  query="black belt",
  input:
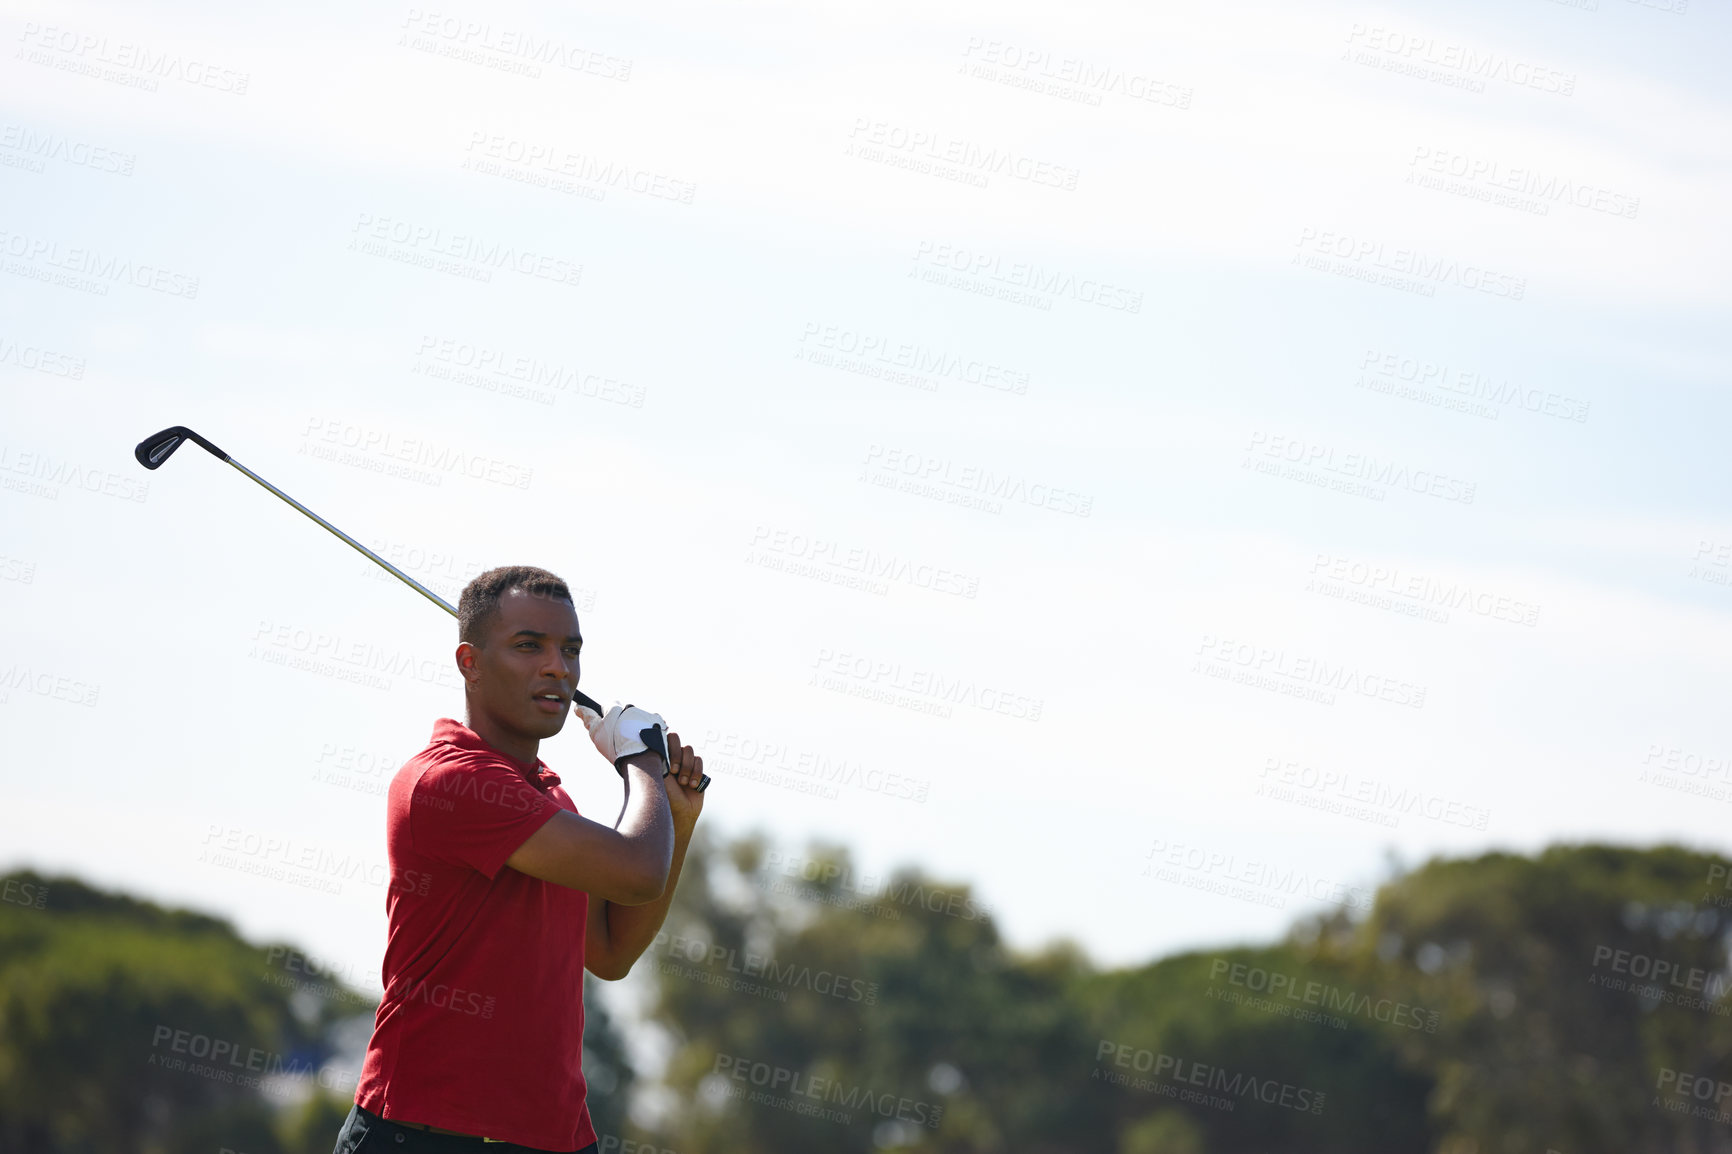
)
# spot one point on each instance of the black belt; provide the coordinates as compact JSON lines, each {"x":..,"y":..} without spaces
{"x":447,"y":1141}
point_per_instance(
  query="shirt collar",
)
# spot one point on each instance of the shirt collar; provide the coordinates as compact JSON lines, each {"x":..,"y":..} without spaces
{"x":460,"y":735}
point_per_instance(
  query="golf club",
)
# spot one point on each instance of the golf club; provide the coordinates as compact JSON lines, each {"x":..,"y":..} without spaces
{"x":154,"y":450}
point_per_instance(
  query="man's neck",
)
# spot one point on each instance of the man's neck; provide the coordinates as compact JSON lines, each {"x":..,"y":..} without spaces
{"x":512,"y":745}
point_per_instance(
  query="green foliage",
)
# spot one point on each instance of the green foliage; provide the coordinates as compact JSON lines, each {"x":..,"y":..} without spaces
{"x":606,"y":1066}
{"x":312,"y":1129}
{"x":1287,"y":1049}
{"x":1473,"y":1010}
{"x":128,"y":1027}
{"x":899,"y":989}
{"x":1502,"y":1004}
{"x":1546,"y":1044}
{"x":1163,"y":1132}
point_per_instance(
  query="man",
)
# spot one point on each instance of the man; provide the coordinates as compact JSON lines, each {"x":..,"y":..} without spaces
{"x":502,"y":895}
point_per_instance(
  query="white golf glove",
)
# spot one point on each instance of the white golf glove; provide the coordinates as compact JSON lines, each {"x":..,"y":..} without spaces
{"x":625,"y":730}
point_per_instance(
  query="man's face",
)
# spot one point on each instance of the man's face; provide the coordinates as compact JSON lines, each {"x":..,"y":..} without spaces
{"x":523,"y":677}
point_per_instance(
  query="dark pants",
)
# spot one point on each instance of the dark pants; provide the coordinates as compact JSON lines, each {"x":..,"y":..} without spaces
{"x":365,"y":1133}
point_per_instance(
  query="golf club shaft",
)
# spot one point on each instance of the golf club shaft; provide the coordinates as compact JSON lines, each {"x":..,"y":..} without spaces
{"x":396,"y":572}
{"x":153,"y":451}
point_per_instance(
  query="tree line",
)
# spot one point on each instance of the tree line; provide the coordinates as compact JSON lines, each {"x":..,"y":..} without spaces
{"x":1572,"y":1001}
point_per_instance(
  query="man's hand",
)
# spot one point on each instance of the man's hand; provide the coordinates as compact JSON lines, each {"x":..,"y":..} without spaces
{"x":685,"y":771}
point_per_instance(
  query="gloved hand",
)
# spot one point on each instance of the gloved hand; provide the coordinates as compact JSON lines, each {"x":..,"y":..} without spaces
{"x":625,"y":730}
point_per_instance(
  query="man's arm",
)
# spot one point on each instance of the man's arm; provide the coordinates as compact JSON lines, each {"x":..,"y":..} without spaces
{"x":628,"y":864}
{"x":617,"y":934}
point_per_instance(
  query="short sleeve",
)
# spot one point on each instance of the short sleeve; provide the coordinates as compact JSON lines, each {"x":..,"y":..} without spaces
{"x":475,"y":812}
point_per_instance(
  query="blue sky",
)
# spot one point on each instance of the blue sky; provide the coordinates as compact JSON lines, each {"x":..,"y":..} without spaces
{"x":1313,"y":412}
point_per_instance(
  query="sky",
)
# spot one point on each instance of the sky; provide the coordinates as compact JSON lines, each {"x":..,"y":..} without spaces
{"x":1162,"y":466}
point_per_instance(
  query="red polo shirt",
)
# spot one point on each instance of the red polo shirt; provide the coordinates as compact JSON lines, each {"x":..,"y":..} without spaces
{"x":481,"y":1026}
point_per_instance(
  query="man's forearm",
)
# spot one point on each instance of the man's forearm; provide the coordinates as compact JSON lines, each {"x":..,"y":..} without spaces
{"x":644,"y":817}
{"x":631,"y":929}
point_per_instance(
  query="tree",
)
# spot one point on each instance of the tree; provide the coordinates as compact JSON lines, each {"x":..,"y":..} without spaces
{"x":817,"y":1009}
{"x":128,"y":1027}
{"x":1570,"y":983}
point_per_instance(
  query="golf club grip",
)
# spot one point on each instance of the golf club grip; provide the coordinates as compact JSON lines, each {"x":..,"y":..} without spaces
{"x":657,"y":743}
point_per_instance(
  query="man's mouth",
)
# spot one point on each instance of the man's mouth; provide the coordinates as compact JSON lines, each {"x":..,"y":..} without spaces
{"x":550,"y":702}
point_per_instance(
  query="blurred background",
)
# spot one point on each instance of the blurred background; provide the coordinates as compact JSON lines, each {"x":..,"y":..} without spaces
{"x":1193,"y":543}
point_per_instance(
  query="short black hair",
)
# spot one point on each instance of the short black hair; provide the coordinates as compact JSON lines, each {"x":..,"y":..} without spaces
{"x":480,"y":600}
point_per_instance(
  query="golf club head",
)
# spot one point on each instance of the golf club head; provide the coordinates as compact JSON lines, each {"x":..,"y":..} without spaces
{"x":154,"y":450}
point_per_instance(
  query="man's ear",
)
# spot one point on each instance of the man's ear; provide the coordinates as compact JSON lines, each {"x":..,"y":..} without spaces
{"x":467,"y":656}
